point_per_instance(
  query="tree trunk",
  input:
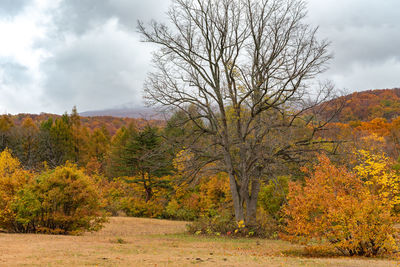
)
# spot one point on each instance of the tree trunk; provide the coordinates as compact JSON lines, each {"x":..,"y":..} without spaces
{"x":251,"y":203}
{"x":247,"y":214}
{"x":237,"y":200}
{"x":147,"y":187}
{"x":149,"y":193}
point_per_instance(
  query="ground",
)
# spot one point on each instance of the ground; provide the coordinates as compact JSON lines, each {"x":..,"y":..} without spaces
{"x":150,"y":242}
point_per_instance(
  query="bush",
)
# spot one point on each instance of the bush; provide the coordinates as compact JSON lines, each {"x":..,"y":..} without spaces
{"x":61,"y":201}
{"x":224,"y":224}
{"x":267,"y":226}
{"x":138,"y":207}
{"x":174,"y":211}
{"x":208,"y":199}
{"x":221,"y":224}
{"x":336,"y":209}
{"x":126,"y":198}
{"x":117,"y":195}
{"x":273,"y":195}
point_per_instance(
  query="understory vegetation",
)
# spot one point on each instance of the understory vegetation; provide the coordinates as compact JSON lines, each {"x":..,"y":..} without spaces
{"x":349,"y":204}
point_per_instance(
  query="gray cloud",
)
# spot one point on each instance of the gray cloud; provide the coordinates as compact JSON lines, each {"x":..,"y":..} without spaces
{"x":97,"y":59}
{"x":365,"y":40}
{"x":9,"y":8}
{"x":16,"y":87}
{"x":13,"y":73}
{"x":103,"y":68}
{"x":79,"y":16}
{"x":93,"y":57}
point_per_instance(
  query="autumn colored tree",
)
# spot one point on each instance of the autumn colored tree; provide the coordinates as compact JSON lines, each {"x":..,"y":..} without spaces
{"x":336,"y":208}
{"x":378,"y":174}
{"x":28,"y":144}
{"x":60,"y":201}
{"x":98,"y":147}
{"x":6,"y":124}
{"x":240,"y":71}
{"x":12,"y":179}
{"x":56,"y":141}
{"x":80,"y":136}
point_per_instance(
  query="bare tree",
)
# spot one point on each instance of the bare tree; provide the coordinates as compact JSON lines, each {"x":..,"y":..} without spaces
{"x":241,"y":71}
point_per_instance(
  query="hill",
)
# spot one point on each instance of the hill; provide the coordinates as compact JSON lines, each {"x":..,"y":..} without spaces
{"x":123,"y":112}
{"x":112,"y":124}
{"x":368,"y":105}
{"x":358,"y":106}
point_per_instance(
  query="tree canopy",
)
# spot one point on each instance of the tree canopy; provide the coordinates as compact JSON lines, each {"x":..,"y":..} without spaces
{"x":242,"y":71}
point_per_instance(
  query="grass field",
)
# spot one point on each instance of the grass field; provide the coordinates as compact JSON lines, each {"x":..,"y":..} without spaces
{"x":148,"y":242}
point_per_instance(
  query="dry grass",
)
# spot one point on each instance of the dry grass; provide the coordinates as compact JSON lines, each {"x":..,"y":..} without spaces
{"x":147,"y":242}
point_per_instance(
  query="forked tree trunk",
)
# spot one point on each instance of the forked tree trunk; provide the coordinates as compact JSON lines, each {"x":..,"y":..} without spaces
{"x":245,"y":204}
{"x":253,"y":56}
{"x":251,"y":203}
{"x":237,"y":200}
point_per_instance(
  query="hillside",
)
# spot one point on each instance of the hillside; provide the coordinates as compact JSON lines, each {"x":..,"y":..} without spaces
{"x":367,"y":105}
{"x":359,"y":106}
{"x":112,"y":124}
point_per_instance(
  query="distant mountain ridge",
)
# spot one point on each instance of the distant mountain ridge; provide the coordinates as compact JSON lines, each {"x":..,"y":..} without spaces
{"x":111,"y":123}
{"x":359,"y":106}
{"x":124,"y":112}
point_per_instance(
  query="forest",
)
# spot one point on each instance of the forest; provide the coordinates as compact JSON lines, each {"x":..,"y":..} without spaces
{"x":66,"y":174}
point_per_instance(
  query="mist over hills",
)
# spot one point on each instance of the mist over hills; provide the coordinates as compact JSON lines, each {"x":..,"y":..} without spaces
{"x":362,"y":106}
{"x":359,"y":106}
{"x":124,"y":112}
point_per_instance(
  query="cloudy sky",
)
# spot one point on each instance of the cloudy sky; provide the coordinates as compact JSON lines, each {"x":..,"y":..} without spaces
{"x":55,"y":54}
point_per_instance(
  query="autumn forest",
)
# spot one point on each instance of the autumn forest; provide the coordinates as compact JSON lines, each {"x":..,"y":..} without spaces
{"x":249,"y":146}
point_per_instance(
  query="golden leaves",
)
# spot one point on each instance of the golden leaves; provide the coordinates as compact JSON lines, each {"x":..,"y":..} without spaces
{"x":337,"y":208}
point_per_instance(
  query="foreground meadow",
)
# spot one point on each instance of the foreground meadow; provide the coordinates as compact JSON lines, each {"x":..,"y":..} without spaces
{"x":149,"y":242}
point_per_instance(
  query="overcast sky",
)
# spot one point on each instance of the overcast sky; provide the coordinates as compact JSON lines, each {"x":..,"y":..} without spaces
{"x":55,"y":54}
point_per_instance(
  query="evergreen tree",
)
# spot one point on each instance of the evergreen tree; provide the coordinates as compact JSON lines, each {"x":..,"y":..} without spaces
{"x":145,"y":161}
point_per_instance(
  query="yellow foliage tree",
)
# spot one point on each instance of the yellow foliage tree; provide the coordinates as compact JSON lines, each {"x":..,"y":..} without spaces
{"x":12,"y":179}
{"x":376,"y":171}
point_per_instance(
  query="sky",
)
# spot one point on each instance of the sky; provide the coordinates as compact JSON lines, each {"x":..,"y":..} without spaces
{"x":56,"y":54}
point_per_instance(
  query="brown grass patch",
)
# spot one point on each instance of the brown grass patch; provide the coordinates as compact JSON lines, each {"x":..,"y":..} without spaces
{"x":149,"y":242}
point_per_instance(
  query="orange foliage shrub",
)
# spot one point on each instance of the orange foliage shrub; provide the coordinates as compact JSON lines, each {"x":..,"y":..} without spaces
{"x":336,"y":209}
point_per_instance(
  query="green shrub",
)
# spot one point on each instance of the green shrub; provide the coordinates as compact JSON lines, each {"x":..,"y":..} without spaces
{"x":221,"y":224}
{"x":175,"y":211}
{"x":273,"y":195}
